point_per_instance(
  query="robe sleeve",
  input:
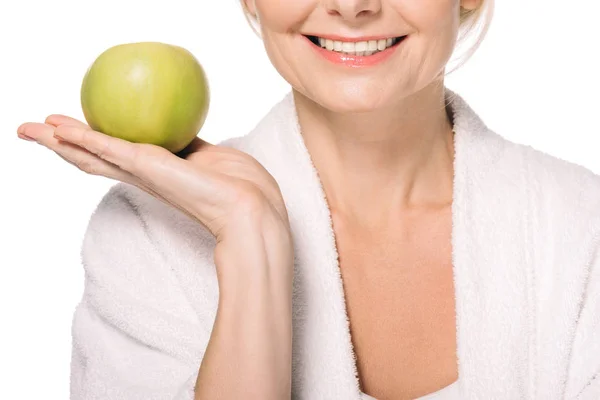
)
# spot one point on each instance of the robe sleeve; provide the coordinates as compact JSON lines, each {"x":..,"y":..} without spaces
{"x":584,"y":370}
{"x":134,"y":333}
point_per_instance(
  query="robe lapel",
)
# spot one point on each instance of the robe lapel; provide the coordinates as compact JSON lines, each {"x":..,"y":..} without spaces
{"x":323,"y":364}
{"x":491,"y":263}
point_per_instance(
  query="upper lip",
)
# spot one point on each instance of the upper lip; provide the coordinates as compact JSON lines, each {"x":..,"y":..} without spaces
{"x":352,"y":39}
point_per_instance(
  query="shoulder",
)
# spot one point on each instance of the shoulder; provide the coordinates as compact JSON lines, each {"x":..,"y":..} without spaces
{"x":150,"y":252}
{"x":141,"y":307}
{"x":569,"y":194}
{"x":564,"y":204}
{"x":558,"y":199}
{"x":575,"y":184}
{"x":561,"y":207}
{"x":126,"y":207}
{"x":552,"y":185}
{"x":129,"y":223}
{"x":559,"y":203}
{"x":557,"y":190}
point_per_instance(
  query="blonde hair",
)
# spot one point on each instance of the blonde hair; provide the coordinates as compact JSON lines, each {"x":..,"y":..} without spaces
{"x":470,"y":21}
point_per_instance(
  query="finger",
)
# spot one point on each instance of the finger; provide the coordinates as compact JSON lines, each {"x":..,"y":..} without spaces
{"x":157,"y":168}
{"x":114,"y":150}
{"x":59,"y":119}
{"x":152,"y":164}
{"x":112,"y":172}
{"x":92,"y":164}
{"x":41,"y":133}
{"x":81,"y":158}
{"x":85,"y":160}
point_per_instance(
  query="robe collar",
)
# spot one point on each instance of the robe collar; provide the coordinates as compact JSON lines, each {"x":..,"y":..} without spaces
{"x":489,"y":244}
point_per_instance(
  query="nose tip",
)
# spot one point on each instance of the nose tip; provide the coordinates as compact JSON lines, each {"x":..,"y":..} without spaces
{"x":353,"y":10}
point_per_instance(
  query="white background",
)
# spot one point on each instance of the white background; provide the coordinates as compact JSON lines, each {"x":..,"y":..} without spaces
{"x":535,"y":80}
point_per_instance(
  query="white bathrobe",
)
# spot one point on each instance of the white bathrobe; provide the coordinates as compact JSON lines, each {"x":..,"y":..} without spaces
{"x":526,"y":259}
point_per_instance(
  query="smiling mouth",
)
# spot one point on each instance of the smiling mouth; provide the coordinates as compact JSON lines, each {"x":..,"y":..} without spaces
{"x":364,"y":48}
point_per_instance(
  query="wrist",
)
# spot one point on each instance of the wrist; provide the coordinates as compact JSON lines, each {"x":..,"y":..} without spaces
{"x":258,"y":255}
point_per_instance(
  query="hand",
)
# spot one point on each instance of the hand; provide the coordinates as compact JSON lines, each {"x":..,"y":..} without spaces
{"x":215,"y":185}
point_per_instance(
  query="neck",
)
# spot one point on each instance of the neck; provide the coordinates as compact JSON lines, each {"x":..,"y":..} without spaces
{"x":374,"y":165}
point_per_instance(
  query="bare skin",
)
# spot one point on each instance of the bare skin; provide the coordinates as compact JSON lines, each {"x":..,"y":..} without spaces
{"x":396,"y":267}
{"x":240,"y":203}
{"x":381,"y":141}
{"x":400,"y":301}
{"x":395,"y":257}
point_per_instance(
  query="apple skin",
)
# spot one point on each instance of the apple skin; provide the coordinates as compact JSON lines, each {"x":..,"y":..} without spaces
{"x":146,"y":92}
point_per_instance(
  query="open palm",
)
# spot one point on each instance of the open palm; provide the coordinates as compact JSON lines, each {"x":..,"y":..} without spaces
{"x":208,"y":182}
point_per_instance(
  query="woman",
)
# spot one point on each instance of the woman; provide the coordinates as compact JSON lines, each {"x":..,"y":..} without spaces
{"x":370,"y":238}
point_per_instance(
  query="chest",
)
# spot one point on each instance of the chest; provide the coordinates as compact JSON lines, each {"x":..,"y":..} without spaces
{"x":399,"y":293}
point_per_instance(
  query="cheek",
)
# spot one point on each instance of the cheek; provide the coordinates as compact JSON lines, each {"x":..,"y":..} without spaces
{"x":281,"y":21}
{"x":283,"y":52}
{"x":436,"y":24}
{"x":431,"y":17}
{"x":284,"y":16}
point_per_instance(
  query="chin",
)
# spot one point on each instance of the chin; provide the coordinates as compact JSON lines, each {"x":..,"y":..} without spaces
{"x":354,"y":99}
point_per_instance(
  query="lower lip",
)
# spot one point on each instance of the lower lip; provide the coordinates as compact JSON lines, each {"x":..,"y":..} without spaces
{"x":356,"y":61}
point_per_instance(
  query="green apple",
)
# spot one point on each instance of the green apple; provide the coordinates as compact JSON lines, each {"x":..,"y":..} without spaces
{"x":147,"y":92}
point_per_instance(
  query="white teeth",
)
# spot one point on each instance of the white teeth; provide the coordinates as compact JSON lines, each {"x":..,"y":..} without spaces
{"x":365,"y":48}
{"x":348,"y":47}
{"x":361,"y":46}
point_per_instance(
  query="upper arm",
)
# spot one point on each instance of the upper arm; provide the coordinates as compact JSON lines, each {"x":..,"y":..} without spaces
{"x":135,"y":334}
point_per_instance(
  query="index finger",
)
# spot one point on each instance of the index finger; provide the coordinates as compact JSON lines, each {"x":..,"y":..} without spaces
{"x":60,"y":119}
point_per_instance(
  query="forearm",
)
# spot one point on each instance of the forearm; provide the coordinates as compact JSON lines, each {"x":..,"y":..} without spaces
{"x":249,"y":352}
